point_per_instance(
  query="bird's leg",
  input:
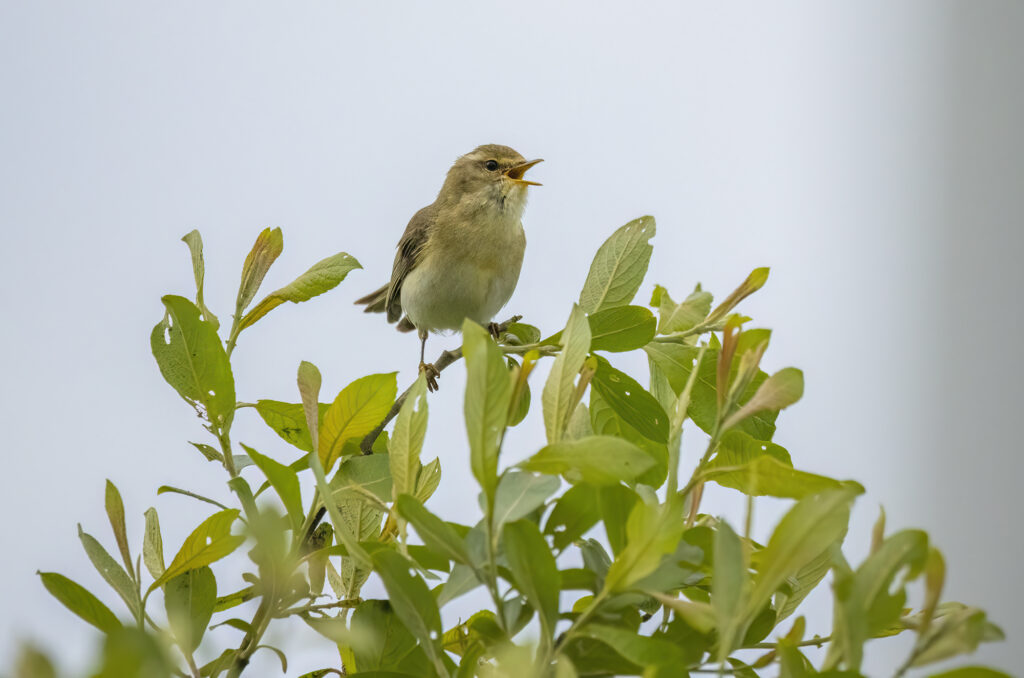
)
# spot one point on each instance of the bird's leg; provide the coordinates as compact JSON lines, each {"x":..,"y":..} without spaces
{"x":432,"y":372}
{"x":496,"y":329}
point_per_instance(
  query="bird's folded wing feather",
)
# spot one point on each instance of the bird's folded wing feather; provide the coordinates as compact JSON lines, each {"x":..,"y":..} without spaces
{"x":410,"y":247}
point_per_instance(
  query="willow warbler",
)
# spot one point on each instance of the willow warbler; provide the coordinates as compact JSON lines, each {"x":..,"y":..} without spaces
{"x":460,"y":256}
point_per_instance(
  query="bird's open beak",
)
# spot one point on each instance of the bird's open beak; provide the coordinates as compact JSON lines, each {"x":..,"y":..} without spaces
{"x":516,"y":173}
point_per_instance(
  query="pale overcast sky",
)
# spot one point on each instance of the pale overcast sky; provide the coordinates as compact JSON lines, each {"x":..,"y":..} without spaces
{"x":871,"y":153}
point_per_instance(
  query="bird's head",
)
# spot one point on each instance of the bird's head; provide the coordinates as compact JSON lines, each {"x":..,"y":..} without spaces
{"x":489,"y":177}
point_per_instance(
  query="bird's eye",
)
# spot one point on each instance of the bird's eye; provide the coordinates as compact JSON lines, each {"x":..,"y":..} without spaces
{"x":491,"y":165}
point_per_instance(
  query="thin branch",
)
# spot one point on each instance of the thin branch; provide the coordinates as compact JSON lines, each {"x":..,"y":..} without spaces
{"x":318,"y":608}
{"x":444,"y":360}
{"x":816,"y":641}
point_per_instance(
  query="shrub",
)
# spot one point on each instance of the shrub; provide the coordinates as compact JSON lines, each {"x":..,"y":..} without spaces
{"x":594,"y":551}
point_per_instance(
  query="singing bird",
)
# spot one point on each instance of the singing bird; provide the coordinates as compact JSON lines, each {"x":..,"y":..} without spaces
{"x":460,"y":256}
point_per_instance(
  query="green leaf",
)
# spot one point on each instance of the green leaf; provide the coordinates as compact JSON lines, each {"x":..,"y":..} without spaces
{"x":813,"y":525}
{"x":407,"y":439}
{"x":599,"y":460}
{"x":767,"y":476}
{"x":730,"y":585}
{"x":971,"y":672}
{"x":192,"y":360}
{"x":606,"y":421}
{"x":435,"y":533}
{"x":574,"y":513}
{"x":801,"y":584}
{"x":616,"y":502}
{"x":209,"y":542}
{"x":488,"y":391}
{"x":380,"y":641}
{"x":164,"y":489}
{"x":619,"y":267}
{"x":957,"y":630}
{"x":755,"y":281}
{"x":195,"y":247}
{"x":640,"y":650}
{"x":778,"y":392}
{"x":280,"y":656}
{"x":624,"y":328}
{"x":867,"y":603}
{"x":208,"y":451}
{"x":534,"y":570}
{"x":189,"y":599}
{"x":519,"y":494}
{"x":651,"y":532}
{"x":321,"y":277}
{"x":115,"y":512}
{"x":132,"y":653}
{"x":289,"y":421}
{"x":267,"y":248}
{"x":675,"y":317}
{"x":77,"y":599}
{"x":559,"y":396}
{"x":519,"y":334}
{"x":284,"y":481}
{"x":153,"y":545}
{"x":33,"y":662}
{"x":461,"y":580}
{"x":698,"y":616}
{"x":905,"y":551}
{"x":370,"y":473}
{"x":357,"y":410}
{"x":676,"y":362}
{"x":309,"y":380}
{"x":631,"y":401}
{"x":412,"y":602}
{"x":112,"y":572}
{"x":427,"y":480}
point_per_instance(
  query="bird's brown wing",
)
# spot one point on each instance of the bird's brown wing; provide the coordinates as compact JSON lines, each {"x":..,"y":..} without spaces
{"x":410,"y":247}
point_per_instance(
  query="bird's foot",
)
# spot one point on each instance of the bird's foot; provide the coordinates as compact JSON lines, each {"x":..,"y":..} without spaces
{"x":497,"y":329}
{"x":433,"y":374}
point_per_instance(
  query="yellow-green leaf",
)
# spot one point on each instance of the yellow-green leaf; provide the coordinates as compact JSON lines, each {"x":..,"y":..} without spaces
{"x":357,"y":410}
{"x":209,"y":542}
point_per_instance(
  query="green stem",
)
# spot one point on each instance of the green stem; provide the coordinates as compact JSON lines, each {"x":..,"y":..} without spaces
{"x":190,"y":660}
{"x":702,"y":328}
{"x":252,"y":639}
{"x":492,"y":566}
{"x":578,"y":622}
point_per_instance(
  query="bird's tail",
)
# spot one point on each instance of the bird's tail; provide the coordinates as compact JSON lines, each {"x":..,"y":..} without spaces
{"x":376,"y":302}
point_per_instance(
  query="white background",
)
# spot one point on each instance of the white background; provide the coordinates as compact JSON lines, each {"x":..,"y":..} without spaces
{"x":871,"y":153}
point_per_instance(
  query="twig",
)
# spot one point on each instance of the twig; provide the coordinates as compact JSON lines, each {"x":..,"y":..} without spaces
{"x":444,"y":360}
{"x":318,"y":608}
{"x":816,"y":641}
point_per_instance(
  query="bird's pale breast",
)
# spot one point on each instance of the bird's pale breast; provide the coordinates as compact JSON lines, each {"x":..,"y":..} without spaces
{"x":468,"y":271}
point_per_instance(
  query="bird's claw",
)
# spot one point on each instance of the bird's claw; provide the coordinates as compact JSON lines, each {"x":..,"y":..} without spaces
{"x":497,"y":329}
{"x":433,"y":374}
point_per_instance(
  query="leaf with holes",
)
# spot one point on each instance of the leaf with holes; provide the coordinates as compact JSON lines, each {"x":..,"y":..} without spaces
{"x":192,"y":360}
{"x":209,"y":542}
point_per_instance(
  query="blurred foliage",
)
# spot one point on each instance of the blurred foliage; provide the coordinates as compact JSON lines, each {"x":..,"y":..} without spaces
{"x":596,"y":541}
